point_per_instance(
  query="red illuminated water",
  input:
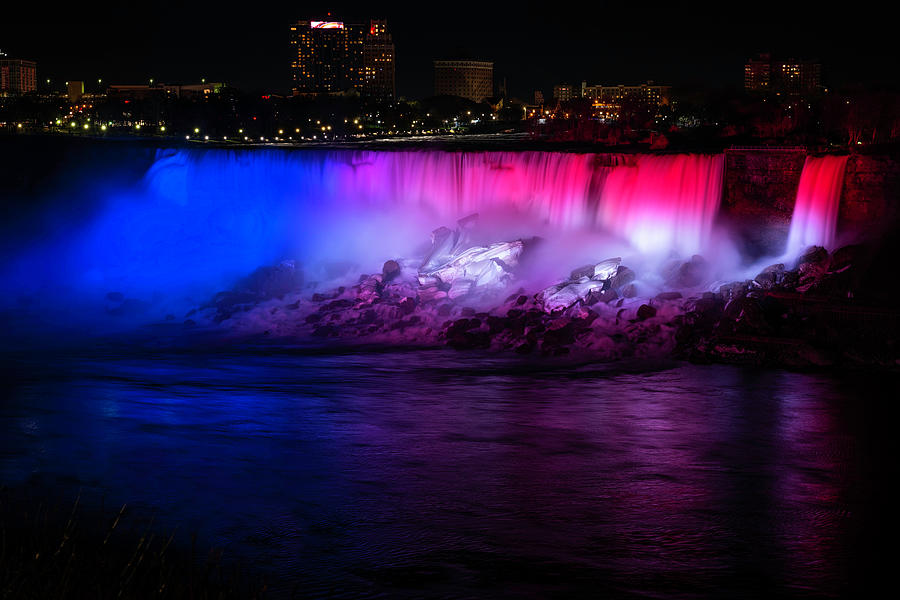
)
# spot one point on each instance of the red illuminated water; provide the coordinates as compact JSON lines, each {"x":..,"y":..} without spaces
{"x":818,"y":198}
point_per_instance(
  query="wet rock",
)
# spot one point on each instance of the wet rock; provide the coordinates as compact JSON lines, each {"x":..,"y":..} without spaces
{"x":645,"y":311}
{"x":690,"y":274}
{"x":790,"y":279}
{"x":560,"y":332}
{"x":606,"y":269}
{"x":273,"y":281}
{"x":525,"y":348}
{"x":623,"y":277}
{"x":322,"y":297}
{"x":600,"y":296}
{"x":460,"y":288}
{"x":431,"y":293}
{"x":483,"y":265}
{"x":407,"y":305}
{"x":443,"y":241}
{"x":390,"y":270}
{"x":585,"y":271}
{"x":845,"y":257}
{"x":668,"y":296}
{"x":813,"y":254}
{"x":557,"y":298}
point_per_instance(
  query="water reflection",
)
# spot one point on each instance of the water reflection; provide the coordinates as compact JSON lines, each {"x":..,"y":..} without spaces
{"x":403,"y":473}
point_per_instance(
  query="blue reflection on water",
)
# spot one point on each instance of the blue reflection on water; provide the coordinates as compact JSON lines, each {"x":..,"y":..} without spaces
{"x":401,"y":473}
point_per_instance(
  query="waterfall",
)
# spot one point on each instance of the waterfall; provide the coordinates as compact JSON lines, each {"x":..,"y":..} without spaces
{"x":201,"y":218}
{"x":814,"y":221}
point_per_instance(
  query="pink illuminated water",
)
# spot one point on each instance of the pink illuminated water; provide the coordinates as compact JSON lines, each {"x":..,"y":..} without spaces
{"x":818,"y":198}
{"x":664,"y":202}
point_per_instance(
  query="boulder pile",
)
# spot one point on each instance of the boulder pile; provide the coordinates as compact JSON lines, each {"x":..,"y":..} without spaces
{"x":802,"y":314}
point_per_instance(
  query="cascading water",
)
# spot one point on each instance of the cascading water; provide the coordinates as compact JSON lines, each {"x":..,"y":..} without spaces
{"x":664,"y":203}
{"x":814,"y":221}
{"x":202,"y":218}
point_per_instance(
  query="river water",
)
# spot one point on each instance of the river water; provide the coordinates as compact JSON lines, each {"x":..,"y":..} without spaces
{"x":431,"y":473}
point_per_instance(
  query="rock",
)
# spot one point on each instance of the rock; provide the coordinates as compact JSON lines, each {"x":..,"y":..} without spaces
{"x":605,"y":269}
{"x":690,"y":274}
{"x":776,"y":268}
{"x":668,"y":296}
{"x":790,"y":279}
{"x":390,"y":270}
{"x":443,"y":241}
{"x":813,"y":254}
{"x":557,"y":298}
{"x":645,"y":311}
{"x":846,"y":256}
{"x":604,"y":296}
{"x":623,"y":277}
{"x":370,"y":289}
{"x":460,"y":288}
{"x":629,"y":291}
{"x":766,"y":280}
{"x":272,"y":282}
{"x":585,"y":271}
{"x":407,"y":305}
{"x":483,"y":265}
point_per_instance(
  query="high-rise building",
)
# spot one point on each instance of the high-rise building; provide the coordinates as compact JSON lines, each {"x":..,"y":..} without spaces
{"x":790,"y":77}
{"x":17,"y":76}
{"x":758,"y":73}
{"x":564,"y":92}
{"x":472,"y":79}
{"x":378,"y":62}
{"x":333,"y":56}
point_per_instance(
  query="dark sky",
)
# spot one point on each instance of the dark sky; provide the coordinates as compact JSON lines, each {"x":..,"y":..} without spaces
{"x":533,"y":46}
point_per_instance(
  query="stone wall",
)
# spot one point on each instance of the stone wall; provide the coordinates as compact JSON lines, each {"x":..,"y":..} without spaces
{"x":870,"y":199}
{"x":760,"y":190}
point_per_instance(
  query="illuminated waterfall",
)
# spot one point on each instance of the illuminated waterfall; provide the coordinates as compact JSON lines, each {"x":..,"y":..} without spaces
{"x":814,"y":221}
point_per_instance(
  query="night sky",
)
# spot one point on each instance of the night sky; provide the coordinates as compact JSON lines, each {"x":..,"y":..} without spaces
{"x":688,"y":44}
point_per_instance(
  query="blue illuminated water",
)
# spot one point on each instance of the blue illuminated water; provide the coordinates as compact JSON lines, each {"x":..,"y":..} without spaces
{"x":436,"y":474}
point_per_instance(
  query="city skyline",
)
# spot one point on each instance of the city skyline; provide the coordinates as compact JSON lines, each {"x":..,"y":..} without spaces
{"x":531,"y":50}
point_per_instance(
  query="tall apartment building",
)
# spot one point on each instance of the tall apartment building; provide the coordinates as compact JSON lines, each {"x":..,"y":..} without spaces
{"x":379,"y":79}
{"x":564,"y":92}
{"x":17,"y":76}
{"x":333,"y":56}
{"x":790,"y":77}
{"x":472,"y":79}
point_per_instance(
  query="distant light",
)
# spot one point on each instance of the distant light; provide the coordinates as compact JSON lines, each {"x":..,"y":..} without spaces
{"x":19,"y":126}
{"x":240,"y":131}
{"x":138,"y":126}
{"x":196,"y":130}
{"x":86,"y":125}
{"x":163,"y":128}
{"x":103,"y":128}
{"x":205,"y":137}
{"x":187,"y":137}
{"x":280,"y":131}
{"x":73,"y":123}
